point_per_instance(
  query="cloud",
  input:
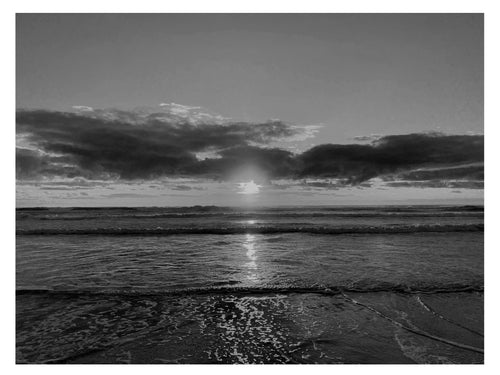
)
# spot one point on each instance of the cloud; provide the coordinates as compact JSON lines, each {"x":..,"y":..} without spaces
{"x":29,"y":163}
{"x":390,"y":154}
{"x":271,"y":162}
{"x":191,"y":114}
{"x":126,"y":195}
{"x":439,"y":184}
{"x":464,"y":172}
{"x":83,"y":108}
{"x":368,"y":138}
{"x":110,"y":145}
{"x":128,"y":145}
{"x":185,"y":187}
{"x":66,"y":184}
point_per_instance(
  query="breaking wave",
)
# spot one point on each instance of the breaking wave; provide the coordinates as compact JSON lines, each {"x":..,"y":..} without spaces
{"x":277,"y":289}
{"x":251,"y":229}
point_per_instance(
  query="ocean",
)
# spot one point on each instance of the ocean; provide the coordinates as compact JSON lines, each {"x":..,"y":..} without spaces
{"x":205,"y":284}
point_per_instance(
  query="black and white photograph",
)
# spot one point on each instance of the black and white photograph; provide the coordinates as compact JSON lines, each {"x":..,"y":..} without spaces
{"x":249,"y":188}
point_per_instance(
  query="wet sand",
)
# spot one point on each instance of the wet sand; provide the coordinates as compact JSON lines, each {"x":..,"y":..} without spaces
{"x":382,"y":327}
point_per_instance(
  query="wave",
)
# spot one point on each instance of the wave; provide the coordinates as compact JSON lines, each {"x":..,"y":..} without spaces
{"x":198,"y":208}
{"x":84,"y":213}
{"x":235,"y":290}
{"x":384,"y":229}
{"x":257,"y":215}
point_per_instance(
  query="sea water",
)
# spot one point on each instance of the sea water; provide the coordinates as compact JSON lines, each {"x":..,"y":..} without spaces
{"x":395,"y":284}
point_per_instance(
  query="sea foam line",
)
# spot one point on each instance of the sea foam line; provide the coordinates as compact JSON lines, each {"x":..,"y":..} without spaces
{"x":432,"y":311}
{"x":414,"y":330}
{"x":250,"y":229}
{"x":235,"y":290}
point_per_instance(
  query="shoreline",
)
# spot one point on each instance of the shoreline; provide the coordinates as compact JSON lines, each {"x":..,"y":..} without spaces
{"x":265,"y":328}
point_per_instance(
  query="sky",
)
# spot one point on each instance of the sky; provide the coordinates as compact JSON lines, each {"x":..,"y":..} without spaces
{"x":258,"y":109}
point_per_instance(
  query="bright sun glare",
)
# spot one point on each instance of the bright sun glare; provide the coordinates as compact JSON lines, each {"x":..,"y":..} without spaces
{"x":249,"y":187}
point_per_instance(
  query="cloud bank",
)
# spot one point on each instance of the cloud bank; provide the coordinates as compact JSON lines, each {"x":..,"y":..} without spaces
{"x":147,"y":145}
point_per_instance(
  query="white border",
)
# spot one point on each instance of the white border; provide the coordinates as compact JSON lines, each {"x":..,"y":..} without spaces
{"x":7,"y":139}
{"x":256,"y":6}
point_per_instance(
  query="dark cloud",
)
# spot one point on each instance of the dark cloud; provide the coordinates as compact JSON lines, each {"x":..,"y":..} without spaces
{"x":185,"y":187}
{"x":126,"y":195}
{"x":100,"y":147}
{"x":29,"y":163}
{"x":390,"y":154}
{"x":468,"y":172}
{"x":439,"y":184}
{"x":322,"y":185}
{"x":180,"y":187}
{"x":95,"y":145}
{"x":76,"y":183}
{"x":56,"y":188}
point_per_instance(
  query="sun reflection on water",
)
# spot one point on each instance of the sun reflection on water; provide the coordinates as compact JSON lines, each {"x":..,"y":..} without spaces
{"x":250,"y":246}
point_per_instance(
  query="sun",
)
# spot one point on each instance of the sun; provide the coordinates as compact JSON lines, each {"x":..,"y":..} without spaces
{"x":249,"y":187}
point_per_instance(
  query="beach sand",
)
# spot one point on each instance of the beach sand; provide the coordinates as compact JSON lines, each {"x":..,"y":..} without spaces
{"x":376,"y":327}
